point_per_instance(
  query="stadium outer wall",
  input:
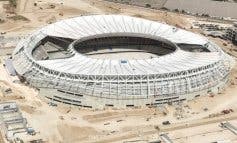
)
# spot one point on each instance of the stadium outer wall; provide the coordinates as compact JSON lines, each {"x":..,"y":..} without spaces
{"x":100,"y":103}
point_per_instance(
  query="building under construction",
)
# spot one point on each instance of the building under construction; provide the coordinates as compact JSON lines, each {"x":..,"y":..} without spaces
{"x":120,"y":61}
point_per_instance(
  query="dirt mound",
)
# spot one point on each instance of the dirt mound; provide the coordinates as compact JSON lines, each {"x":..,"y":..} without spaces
{"x":100,"y":117}
{"x":28,"y":109}
{"x":74,"y":134}
{"x":8,"y":92}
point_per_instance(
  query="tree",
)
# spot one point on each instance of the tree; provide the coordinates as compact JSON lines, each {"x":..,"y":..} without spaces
{"x":13,"y":2}
{"x":148,"y":5}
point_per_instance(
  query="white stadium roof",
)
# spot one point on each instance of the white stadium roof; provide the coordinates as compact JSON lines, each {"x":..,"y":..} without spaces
{"x":178,"y":61}
{"x":79,"y":27}
{"x":87,"y":26}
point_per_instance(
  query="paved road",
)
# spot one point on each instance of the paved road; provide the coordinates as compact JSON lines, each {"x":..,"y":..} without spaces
{"x":213,"y":8}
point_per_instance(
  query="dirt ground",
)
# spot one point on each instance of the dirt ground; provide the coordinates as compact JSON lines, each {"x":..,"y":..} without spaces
{"x":64,"y":124}
{"x":43,"y":14}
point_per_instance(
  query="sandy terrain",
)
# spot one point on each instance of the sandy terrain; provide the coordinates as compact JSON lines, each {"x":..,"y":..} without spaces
{"x":63,"y":124}
{"x":42,"y":14}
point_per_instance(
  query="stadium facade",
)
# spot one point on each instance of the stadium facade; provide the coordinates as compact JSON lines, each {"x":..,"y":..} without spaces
{"x":120,"y":61}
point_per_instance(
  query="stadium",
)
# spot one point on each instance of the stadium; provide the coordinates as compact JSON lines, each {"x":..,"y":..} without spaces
{"x":120,"y":61}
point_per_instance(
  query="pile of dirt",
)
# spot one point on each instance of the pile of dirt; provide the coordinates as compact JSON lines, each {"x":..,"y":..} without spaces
{"x":74,"y":134}
{"x":18,"y":18}
{"x":7,"y":92}
{"x":28,"y":109}
{"x":108,"y":115}
{"x":101,"y":116}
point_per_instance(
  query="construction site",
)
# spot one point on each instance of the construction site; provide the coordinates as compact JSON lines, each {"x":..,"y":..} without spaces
{"x":115,"y":102}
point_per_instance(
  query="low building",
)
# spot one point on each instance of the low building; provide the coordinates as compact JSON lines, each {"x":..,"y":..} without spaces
{"x":231,"y":34}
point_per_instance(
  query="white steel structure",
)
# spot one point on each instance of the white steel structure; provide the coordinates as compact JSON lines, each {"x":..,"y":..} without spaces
{"x":60,"y":61}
